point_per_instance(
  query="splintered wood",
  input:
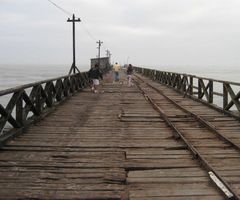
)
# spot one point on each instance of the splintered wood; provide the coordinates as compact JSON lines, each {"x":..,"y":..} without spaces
{"x":111,"y":145}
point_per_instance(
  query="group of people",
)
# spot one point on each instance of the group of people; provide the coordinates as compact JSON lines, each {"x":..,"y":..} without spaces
{"x":95,"y":75}
{"x":129,"y":72}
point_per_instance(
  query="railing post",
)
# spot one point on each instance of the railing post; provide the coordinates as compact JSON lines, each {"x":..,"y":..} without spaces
{"x":19,"y":110}
{"x":174,"y":77}
{"x":210,"y":99}
{"x":199,"y":88}
{"x":168,"y":77}
{"x":49,"y":93}
{"x":184,"y":83}
{"x":191,"y":85}
{"x":225,"y":96}
{"x":38,"y":100}
{"x":179,"y":81}
{"x":159,"y":76}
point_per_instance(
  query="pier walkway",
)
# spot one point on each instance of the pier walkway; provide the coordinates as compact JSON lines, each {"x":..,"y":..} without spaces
{"x":126,"y":143}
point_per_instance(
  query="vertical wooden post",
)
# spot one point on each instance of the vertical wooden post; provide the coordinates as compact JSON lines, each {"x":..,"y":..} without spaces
{"x":199,"y":88}
{"x":167,"y":78}
{"x":210,"y":99}
{"x":161,"y":77}
{"x":225,"y":96}
{"x":38,"y":99}
{"x":19,"y":110}
{"x":184,"y":83}
{"x":191,"y":85}
{"x":48,"y":89}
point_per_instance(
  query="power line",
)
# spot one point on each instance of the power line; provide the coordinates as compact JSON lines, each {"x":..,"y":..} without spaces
{"x":91,"y":35}
{"x":104,"y":47}
{"x":59,"y":7}
{"x":70,"y":14}
{"x":88,"y":32}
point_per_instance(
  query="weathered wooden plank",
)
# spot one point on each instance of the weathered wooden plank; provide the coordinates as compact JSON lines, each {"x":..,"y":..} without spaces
{"x":61,"y":195}
{"x":85,"y":151}
{"x":163,"y":190}
{"x":193,"y":197}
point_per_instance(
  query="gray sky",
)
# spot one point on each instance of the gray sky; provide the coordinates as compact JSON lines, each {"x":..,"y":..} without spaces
{"x":149,"y":32}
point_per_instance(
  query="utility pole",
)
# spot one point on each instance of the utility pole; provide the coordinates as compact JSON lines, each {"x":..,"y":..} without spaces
{"x":99,"y":51}
{"x":110,"y":58}
{"x":127,"y":59}
{"x":73,"y":67}
{"x":108,"y":54}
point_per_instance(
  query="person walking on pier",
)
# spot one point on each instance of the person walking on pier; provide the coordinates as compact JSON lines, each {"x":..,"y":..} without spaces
{"x":94,"y":75}
{"x":129,"y":75}
{"x":116,"y":69}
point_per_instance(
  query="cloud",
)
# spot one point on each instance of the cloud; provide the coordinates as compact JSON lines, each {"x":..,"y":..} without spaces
{"x":135,"y":32}
{"x":179,"y":31}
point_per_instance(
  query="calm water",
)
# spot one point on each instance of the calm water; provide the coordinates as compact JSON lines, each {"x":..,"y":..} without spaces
{"x":14,"y":75}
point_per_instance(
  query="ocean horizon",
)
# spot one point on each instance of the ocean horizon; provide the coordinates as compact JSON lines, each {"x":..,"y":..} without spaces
{"x":15,"y":75}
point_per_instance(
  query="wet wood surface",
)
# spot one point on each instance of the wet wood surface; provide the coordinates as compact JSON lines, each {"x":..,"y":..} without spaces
{"x":114,"y":145}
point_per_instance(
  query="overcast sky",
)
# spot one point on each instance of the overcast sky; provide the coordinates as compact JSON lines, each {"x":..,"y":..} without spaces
{"x":146,"y":32}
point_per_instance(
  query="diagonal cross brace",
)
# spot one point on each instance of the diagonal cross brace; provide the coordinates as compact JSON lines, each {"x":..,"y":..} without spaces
{"x":234,"y":98}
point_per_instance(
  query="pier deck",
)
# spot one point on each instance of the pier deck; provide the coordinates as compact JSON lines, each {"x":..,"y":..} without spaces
{"x":116,"y":145}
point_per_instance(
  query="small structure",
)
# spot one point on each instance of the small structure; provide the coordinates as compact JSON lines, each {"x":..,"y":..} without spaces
{"x":104,"y":62}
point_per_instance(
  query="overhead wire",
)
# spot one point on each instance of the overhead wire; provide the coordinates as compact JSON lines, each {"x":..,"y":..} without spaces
{"x":83,"y":23}
{"x":88,"y":32}
{"x":60,"y":8}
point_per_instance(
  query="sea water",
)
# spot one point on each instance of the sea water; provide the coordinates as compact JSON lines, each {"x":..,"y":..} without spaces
{"x":15,"y":75}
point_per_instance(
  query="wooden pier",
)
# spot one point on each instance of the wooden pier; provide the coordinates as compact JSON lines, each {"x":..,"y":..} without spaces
{"x":142,"y":142}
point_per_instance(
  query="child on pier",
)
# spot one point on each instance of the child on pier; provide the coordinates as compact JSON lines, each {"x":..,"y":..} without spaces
{"x":94,"y":75}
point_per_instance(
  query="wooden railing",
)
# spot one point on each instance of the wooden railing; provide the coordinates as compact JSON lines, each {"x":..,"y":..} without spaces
{"x":28,"y":103}
{"x":221,"y":95}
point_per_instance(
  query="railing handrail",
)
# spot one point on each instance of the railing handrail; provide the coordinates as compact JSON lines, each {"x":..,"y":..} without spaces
{"x":201,"y":89}
{"x":195,"y":76}
{"x":25,"y":86}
